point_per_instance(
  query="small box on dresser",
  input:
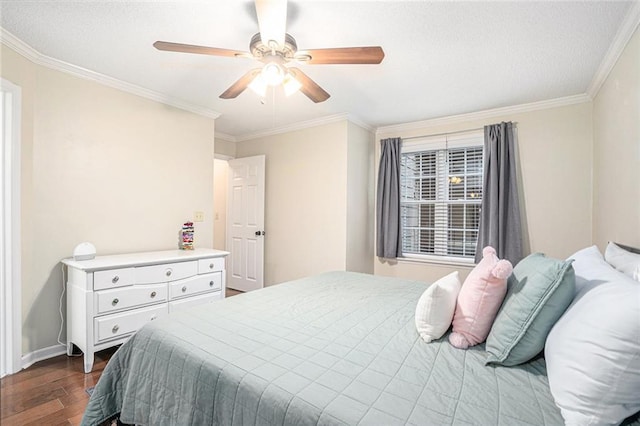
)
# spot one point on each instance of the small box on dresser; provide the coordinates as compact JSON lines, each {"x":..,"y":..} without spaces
{"x":110,"y":297}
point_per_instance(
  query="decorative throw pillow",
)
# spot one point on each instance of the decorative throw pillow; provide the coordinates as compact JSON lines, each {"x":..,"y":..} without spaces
{"x":593,"y":351}
{"x":479,"y":300}
{"x":539,"y":291}
{"x":436,"y":306}
{"x":623,"y":260}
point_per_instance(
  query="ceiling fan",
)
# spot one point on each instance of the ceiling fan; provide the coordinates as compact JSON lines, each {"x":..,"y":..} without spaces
{"x":279,"y":52}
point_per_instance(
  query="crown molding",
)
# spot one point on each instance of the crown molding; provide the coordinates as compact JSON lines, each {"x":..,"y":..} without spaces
{"x":358,"y":122}
{"x":301,"y":125}
{"x":293,"y":127}
{"x":480,"y":115}
{"x":18,"y":45}
{"x":620,"y":41}
{"x":224,"y":137}
{"x":33,"y":55}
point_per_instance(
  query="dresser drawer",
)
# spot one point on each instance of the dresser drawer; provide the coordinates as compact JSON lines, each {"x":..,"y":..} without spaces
{"x":210,"y":265}
{"x":167,"y":272}
{"x":113,"y":278}
{"x":119,"y":325}
{"x":117,"y":299}
{"x":195,"y":285}
{"x":190,"y":302}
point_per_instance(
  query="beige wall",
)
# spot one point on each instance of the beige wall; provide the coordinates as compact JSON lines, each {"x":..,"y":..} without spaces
{"x":616,"y":134}
{"x":225,"y":148}
{"x":555,"y":160}
{"x":220,"y":181}
{"x":305,"y":200}
{"x":360,"y":199}
{"x":104,"y":166}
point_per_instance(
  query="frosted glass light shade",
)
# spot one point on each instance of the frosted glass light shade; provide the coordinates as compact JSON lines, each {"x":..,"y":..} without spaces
{"x":272,"y":74}
{"x":259,"y":86}
{"x":290,"y":85}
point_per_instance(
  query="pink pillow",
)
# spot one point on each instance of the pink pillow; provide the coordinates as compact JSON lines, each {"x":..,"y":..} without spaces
{"x":479,"y":300}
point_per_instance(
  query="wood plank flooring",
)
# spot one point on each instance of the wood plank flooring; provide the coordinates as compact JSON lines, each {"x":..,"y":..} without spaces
{"x":52,"y":392}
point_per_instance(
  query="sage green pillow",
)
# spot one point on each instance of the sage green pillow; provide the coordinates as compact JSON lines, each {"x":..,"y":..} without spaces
{"x":538,"y":292}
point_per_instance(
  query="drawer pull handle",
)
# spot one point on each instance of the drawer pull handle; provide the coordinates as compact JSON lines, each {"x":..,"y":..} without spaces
{"x":115,"y":279}
{"x":184,"y":288}
{"x":169,"y":273}
{"x":115,"y":301}
{"x":210,"y":283}
{"x":211,"y":266}
{"x":154,"y":317}
{"x":153,"y":294}
{"x":115,"y":328}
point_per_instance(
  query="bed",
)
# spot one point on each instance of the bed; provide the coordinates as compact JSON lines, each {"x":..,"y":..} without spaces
{"x":333,"y":349}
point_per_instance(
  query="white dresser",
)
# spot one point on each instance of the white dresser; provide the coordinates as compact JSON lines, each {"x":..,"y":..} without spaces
{"x":110,"y":297}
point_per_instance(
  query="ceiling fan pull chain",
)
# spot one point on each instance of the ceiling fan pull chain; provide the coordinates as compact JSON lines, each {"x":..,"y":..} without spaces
{"x":273,"y":107}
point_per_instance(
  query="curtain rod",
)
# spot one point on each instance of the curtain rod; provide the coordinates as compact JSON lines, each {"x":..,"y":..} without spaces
{"x":447,"y":133}
{"x":443,"y":134}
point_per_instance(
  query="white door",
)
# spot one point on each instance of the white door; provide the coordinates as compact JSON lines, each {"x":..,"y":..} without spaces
{"x":245,"y":223}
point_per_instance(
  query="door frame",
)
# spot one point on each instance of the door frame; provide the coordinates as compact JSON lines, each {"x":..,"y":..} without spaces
{"x":10,"y":279}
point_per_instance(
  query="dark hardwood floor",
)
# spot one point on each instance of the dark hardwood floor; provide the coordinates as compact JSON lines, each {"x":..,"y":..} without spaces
{"x":52,"y":392}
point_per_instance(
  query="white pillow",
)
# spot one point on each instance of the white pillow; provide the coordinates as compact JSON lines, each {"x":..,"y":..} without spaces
{"x":436,"y":306}
{"x":587,"y":263}
{"x":623,"y":260}
{"x":593,"y":351}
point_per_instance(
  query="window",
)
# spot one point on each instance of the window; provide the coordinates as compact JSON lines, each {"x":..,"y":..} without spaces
{"x":441,"y":193}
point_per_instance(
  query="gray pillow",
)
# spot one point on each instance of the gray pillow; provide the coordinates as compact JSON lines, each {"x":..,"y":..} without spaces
{"x":539,"y":291}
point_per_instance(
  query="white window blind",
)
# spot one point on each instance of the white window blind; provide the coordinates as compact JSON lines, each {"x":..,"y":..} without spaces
{"x":441,"y":193}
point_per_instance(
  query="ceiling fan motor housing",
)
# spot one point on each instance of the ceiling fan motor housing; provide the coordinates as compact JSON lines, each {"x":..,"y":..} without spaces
{"x":261,"y":50}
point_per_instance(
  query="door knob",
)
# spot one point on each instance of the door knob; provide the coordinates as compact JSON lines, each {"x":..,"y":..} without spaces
{"x":258,"y":233}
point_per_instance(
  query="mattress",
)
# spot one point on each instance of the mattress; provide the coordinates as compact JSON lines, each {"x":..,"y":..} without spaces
{"x":334,"y":349}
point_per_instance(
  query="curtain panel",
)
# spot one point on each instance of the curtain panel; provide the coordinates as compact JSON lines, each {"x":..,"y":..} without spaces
{"x":388,"y":229}
{"x":500,"y":224}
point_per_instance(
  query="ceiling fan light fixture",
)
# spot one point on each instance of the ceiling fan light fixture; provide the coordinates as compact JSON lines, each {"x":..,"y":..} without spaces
{"x":259,"y":86}
{"x":290,"y":85}
{"x":272,"y":74}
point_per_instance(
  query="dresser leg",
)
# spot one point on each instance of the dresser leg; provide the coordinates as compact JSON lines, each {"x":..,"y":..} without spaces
{"x":88,"y":362}
{"x":69,"y":348}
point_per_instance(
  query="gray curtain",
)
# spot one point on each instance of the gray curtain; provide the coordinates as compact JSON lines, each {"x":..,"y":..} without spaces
{"x":500,"y":225}
{"x":389,"y":240}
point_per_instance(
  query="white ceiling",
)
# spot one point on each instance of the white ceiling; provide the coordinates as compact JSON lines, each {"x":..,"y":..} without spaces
{"x":442,"y":58}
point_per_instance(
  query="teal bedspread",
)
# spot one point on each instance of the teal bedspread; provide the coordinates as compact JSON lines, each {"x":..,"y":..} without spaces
{"x":338,"y":348}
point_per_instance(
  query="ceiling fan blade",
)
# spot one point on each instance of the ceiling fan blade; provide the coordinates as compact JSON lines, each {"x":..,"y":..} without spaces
{"x":239,"y":86}
{"x":343,"y":55}
{"x":202,"y":50}
{"x":272,"y":20}
{"x":309,"y":87}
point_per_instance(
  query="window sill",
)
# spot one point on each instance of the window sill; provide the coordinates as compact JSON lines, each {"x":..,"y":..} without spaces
{"x":437,"y":260}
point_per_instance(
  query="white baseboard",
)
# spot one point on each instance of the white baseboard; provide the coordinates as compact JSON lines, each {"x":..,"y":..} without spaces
{"x":42,"y":354}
